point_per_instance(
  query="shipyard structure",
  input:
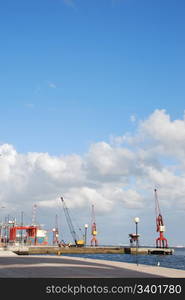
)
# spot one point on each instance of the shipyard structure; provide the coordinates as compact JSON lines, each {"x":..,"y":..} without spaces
{"x":34,"y":239}
{"x":12,"y":233}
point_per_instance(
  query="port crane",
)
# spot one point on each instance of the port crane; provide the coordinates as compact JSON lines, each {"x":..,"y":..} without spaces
{"x":93,"y":229}
{"x":78,"y":243}
{"x":161,"y":241}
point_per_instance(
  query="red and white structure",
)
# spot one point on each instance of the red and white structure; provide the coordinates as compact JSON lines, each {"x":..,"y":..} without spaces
{"x":94,"y":241}
{"x":161,"y":241}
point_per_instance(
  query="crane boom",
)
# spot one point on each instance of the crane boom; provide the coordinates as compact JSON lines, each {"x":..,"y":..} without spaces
{"x":70,"y":224}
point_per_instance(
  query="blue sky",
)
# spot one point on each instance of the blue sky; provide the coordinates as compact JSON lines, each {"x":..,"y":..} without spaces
{"x":72,"y":72}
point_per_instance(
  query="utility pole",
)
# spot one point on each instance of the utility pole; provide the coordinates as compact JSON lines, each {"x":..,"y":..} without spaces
{"x":136,"y":220}
{"x":85,"y":237}
{"x":34,"y":214}
{"x":21,"y":225}
{"x":56,"y":232}
{"x":6,"y":230}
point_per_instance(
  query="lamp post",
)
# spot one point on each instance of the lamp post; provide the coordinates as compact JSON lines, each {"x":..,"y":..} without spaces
{"x":21,"y":226}
{"x":136,"y":220}
{"x":86,"y":226}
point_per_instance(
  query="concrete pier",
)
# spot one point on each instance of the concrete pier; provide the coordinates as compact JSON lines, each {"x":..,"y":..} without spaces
{"x":25,"y":250}
{"x":36,"y":266}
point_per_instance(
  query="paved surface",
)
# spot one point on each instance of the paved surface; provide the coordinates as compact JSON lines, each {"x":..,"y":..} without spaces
{"x":75,"y":267}
{"x":4,"y":253}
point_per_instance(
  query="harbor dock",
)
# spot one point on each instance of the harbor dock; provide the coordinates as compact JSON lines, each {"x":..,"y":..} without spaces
{"x":27,"y":250}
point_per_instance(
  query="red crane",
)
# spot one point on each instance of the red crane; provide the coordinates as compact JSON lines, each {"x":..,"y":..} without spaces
{"x":93,"y":229}
{"x":161,"y":241}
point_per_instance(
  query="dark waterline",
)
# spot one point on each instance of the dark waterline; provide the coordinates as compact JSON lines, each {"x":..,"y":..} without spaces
{"x":175,"y":261}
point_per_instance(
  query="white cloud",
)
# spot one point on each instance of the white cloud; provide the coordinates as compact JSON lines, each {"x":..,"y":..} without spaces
{"x":105,"y":169}
{"x":7,"y":161}
{"x":162,"y":130}
{"x":158,"y":134}
{"x":109,"y":162}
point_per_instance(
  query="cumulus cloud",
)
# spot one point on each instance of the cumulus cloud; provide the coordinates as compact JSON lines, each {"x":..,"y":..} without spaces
{"x":158,"y":133}
{"x":159,"y":130}
{"x":167,"y":136}
{"x":109,"y":162}
{"x":159,"y":148}
{"x":98,"y":177}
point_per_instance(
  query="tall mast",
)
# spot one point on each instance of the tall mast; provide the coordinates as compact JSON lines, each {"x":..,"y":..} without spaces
{"x":56,"y":232}
{"x":34,"y":208}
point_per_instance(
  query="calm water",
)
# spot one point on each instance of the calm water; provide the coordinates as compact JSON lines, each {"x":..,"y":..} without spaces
{"x":176,"y":261}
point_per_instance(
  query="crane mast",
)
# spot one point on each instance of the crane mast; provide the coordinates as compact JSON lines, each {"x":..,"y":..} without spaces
{"x":161,"y":241}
